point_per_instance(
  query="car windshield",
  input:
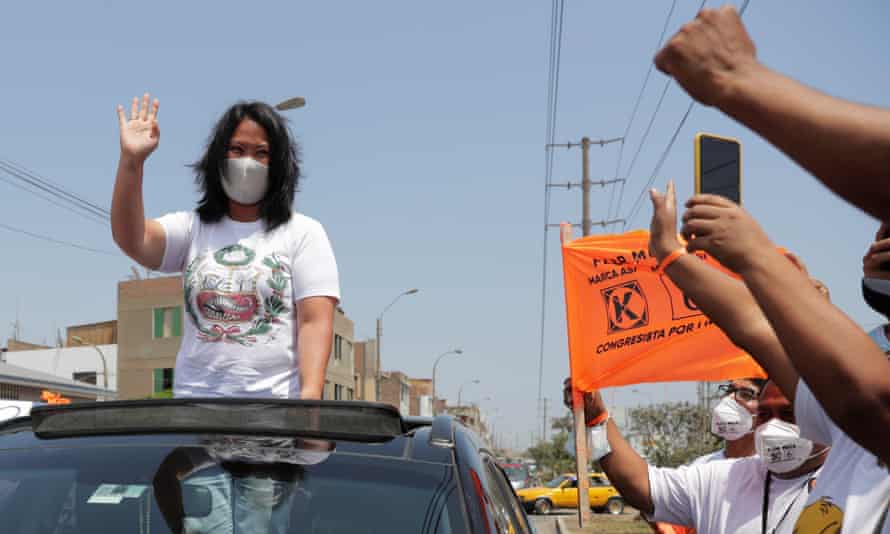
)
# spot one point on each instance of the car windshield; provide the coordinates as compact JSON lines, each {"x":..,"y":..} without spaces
{"x":160,"y":489}
{"x":516,"y":473}
{"x":556,"y":482}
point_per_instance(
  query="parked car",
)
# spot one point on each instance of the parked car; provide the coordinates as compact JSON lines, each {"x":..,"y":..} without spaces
{"x":518,"y":475}
{"x":199,"y":465}
{"x":562,"y":492}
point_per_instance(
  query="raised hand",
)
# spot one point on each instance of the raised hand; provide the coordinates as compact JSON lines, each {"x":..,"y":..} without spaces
{"x":140,"y":133}
{"x":663,"y":228}
{"x":724,"y":230}
{"x":876,"y":263}
{"x":708,"y":54}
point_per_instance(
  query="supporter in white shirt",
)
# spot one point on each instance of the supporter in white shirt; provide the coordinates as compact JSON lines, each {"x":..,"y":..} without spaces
{"x":260,"y":281}
{"x":738,"y":495}
{"x":733,"y":419}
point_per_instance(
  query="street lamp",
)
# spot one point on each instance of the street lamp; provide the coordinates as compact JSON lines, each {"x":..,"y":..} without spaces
{"x":380,"y":333}
{"x":79,"y":340}
{"x":436,"y":364}
{"x":291,"y":103}
{"x":461,"y":388}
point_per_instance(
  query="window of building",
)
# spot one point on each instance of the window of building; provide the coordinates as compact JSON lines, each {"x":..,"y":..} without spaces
{"x":10,"y":391}
{"x":163,"y":380}
{"x":338,"y":347}
{"x":167,"y":322}
{"x":338,"y":392}
{"x":349,"y":394}
{"x":85,"y":376}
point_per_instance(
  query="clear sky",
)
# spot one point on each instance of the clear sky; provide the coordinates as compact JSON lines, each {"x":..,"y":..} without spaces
{"x":423,"y":154}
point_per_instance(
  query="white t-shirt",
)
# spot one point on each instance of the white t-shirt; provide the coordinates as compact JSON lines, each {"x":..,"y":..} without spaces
{"x":710,"y":457}
{"x":854,"y":486}
{"x":726,"y":496}
{"x":240,"y":285}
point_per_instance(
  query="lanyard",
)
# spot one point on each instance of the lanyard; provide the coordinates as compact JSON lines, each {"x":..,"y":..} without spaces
{"x":765,"y":515}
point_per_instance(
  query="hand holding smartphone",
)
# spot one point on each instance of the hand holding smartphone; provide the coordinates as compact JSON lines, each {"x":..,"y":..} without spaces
{"x":718,"y":166}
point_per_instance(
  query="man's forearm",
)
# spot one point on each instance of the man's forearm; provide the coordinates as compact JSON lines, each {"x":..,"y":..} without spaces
{"x":728,"y":303}
{"x":627,"y":471}
{"x":839,"y":362}
{"x":843,"y":144}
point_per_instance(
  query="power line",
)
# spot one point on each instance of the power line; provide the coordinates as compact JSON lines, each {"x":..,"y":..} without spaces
{"x":633,"y":161}
{"x":57,"y":187}
{"x":638,"y":203}
{"x":26,"y":176}
{"x":56,"y":241}
{"x":85,"y":215}
{"x":556,"y":26}
{"x":636,"y":107}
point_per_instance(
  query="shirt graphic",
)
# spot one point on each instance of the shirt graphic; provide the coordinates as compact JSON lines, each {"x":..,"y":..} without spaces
{"x":232,"y":297}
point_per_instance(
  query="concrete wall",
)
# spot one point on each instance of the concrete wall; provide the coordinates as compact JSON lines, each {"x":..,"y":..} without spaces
{"x":64,"y":362}
{"x":104,"y":333}
{"x":366,"y":369}
{"x":341,"y":368}
{"x":138,"y":352}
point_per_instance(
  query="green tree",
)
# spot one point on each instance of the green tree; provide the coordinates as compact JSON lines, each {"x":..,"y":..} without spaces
{"x":672,"y":434}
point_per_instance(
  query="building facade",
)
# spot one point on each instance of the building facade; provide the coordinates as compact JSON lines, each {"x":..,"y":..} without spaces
{"x":395,"y":389}
{"x":421,"y":396}
{"x":149,"y":330}
{"x":366,"y":370}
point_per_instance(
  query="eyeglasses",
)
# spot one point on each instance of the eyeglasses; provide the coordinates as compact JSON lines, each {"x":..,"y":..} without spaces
{"x":740,"y":394}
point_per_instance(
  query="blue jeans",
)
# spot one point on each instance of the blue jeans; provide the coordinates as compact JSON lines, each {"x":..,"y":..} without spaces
{"x":248,"y":505}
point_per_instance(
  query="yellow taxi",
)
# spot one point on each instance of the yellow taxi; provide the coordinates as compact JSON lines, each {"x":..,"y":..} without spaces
{"x":562,"y":492}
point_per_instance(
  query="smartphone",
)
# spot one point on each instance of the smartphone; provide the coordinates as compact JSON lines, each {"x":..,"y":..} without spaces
{"x":718,"y":166}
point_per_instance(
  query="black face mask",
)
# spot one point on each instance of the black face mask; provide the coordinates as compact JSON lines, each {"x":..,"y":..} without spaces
{"x":876,"y":300}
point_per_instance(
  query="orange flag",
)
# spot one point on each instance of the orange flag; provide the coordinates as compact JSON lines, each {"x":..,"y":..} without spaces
{"x":629,"y":325}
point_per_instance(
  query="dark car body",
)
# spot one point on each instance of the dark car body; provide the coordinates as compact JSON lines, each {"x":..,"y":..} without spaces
{"x":83,"y":470}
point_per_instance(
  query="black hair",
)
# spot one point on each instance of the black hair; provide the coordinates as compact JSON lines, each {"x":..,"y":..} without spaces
{"x":759,"y":382}
{"x":284,"y":165}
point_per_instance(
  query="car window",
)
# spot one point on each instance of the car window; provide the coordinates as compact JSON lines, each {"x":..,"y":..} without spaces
{"x":509,"y":514}
{"x":138,"y":489}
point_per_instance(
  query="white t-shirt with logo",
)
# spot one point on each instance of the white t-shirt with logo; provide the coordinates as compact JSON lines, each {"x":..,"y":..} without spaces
{"x":854,"y":486}
{"x":240,"y":285}
{"x":726,"y":496}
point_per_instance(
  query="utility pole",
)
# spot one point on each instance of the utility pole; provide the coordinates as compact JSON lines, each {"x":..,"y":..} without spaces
{"x":581,"y":452}
{"x":544,"y":425}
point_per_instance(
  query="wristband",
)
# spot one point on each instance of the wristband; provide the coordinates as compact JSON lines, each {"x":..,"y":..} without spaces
{"x":669,"y":259}
{"x":598,"y":420}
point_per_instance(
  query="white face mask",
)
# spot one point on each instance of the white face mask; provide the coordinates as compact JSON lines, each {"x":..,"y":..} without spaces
{"x":245,"y":180}
{"x":730,"y":420}
{"x":780,"y":446}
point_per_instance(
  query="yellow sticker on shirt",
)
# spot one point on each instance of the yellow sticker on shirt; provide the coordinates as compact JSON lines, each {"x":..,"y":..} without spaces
{"x":821,"y":517}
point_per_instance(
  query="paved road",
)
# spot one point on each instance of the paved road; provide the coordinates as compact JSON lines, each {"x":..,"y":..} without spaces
{"x":546,"y":524}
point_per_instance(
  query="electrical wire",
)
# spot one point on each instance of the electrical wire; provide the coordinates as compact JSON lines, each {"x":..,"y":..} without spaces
{"x":633,"y":114}
{"x":85,"y":215}
{"x":58,"y":192}
{"x":635,"y":207}
{"x":56,"y":241}
{"x":556,"y":26}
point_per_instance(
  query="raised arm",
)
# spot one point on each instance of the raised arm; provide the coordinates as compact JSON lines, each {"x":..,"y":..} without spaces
{"x":725,"y":300}
{"x":627,"y":471}
{"x":844,"y":144}
{"x":139,"y":238}
{"x":844,"y":368}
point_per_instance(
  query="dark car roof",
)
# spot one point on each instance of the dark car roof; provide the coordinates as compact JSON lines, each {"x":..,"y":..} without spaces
{"x":414,"y":445}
